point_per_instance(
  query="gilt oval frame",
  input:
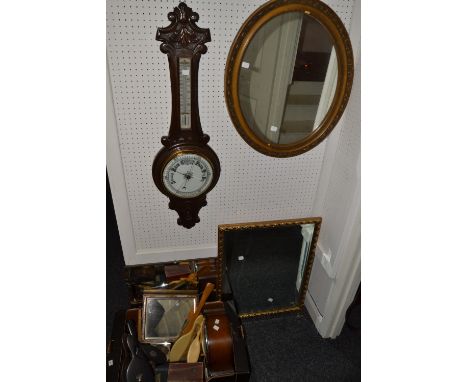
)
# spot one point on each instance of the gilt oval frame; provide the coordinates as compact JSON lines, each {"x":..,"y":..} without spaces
{"x":342,"y":43}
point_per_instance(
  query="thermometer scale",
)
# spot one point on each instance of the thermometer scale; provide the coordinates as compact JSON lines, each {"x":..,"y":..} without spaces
{"x":184,"y":90}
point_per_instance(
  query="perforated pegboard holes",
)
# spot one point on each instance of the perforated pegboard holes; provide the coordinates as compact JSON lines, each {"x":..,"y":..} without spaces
{"x":252,"y":186}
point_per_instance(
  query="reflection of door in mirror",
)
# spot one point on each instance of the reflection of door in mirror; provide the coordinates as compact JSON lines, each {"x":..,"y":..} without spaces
{"x":267,"y":71}
{"x":307,"y":232}
{"x":288,"y":78}
{"x":328,"y":89}
{"x":308,"y":99}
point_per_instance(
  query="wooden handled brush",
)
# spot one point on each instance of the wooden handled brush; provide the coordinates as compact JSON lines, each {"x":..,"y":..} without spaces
{"x":190,"y":329}
{"x":181,"y":346}
{"x":192,"y":317}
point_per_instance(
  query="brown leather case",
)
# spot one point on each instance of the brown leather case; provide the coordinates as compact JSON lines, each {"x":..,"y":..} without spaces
{"x":185,"y":372}
{"x":176,"y":271}
{"x":241,"y":372}
{"x":219,"y":356}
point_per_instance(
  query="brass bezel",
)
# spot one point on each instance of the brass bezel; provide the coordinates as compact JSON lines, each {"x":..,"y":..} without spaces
{"x":223,"y":228}
{"x":178,"y":152}
{"x":330,"y":20}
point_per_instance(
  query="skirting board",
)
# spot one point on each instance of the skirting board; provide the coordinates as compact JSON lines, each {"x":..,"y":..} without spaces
{"x":313,"y":311}
{"x":161,"y":255}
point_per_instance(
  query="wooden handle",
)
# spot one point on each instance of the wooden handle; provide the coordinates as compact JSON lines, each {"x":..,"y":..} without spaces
{"x":206,"y":293}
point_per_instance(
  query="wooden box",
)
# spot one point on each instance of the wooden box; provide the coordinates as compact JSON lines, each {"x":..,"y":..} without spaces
{"x":137,"y":278}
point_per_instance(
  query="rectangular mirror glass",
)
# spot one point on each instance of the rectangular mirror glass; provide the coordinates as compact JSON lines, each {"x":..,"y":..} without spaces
{"x":266,"y":265}
{"x":164,"y":315}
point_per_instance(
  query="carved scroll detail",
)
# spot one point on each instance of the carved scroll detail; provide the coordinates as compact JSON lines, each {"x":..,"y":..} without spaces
{"x":183,"y":33}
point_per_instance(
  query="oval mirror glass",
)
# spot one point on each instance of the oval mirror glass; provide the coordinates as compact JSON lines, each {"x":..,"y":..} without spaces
{"x":287,"y":78}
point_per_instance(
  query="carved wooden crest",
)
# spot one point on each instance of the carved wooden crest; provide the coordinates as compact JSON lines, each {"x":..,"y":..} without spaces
{"x":183,"y":33}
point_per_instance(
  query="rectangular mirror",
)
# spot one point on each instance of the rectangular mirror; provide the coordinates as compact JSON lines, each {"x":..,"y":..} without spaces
{"x":266,"y":265}
{"x":164,"y":315}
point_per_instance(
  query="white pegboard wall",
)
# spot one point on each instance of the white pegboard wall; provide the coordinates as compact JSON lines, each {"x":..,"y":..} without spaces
{"x":252,"y":186}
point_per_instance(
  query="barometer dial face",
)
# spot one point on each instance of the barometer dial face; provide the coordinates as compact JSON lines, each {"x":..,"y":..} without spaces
{"x":187,"y":175}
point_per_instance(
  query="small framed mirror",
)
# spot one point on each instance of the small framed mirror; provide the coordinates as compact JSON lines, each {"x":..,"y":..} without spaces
{"x":266,"y":265}
{"x":164,"y":314}
{"x":288,"y":76}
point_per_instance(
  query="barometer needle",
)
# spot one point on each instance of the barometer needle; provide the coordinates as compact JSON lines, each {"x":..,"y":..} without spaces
{"x":183,"y":186}
{"x":181,"y":173}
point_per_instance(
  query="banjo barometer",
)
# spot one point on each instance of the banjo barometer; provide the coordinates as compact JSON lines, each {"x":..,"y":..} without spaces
{"x":186,"y":168}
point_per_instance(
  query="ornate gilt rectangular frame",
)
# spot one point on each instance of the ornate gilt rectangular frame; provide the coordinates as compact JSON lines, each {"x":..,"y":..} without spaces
{"x":223,"y":228}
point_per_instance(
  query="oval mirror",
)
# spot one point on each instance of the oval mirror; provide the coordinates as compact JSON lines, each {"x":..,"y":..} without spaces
{"x":288,"y":76}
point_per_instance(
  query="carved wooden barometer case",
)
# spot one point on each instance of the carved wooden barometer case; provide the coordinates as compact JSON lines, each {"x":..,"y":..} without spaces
{"x":186,"y":168}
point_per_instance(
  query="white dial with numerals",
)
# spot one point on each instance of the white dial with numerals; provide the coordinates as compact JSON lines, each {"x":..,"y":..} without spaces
{"x":187,"y":175}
